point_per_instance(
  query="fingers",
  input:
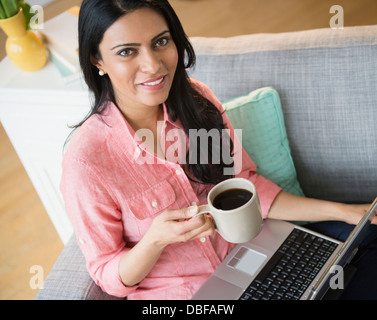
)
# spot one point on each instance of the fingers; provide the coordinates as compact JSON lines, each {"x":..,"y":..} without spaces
{"x":198,"y":227}
{"x":186,"y":228}
{"x":207,"y":229}
{"x":180,"y":214}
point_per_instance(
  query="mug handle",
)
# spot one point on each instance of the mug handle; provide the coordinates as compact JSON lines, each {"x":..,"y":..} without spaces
{"x":202,"y":209}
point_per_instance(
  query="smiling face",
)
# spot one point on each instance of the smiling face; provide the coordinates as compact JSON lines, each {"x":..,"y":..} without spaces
{"x":140,"y":58}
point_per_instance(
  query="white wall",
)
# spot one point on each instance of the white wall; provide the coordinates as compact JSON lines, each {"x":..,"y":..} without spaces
{"x":39,"y":2}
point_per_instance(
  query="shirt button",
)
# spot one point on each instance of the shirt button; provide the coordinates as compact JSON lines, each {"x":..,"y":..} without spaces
{"x":82,"y":241}
{"x":178,"y":172}
{"x":154,"y":204}
{"x":193,"y":203}
{"x":203,"y":239}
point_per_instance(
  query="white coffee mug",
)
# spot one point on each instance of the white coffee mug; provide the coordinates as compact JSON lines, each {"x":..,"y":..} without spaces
{"x":240,"y":224}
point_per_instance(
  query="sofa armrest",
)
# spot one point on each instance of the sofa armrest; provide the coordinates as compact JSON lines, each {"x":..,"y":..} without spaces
{"x":69,"y":279}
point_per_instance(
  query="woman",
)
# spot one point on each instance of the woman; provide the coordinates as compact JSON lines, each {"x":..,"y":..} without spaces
{"x":132,"y":216}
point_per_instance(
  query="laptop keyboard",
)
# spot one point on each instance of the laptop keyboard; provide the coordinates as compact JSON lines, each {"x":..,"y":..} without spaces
{"x":291,"y":269}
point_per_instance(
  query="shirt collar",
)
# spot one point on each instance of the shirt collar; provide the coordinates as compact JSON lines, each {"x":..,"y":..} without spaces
{"x":124,"y":135}
{"x":167,"y":119}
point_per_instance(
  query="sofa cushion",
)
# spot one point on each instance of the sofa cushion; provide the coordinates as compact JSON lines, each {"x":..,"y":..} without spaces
{"x":327,"y":83}
{"x":69,"y":278}
{"x":264,"y":136}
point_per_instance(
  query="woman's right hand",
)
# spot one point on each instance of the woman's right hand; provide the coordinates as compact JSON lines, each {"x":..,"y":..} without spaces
{"x":177,"y":226}
{"x":169,"y":227}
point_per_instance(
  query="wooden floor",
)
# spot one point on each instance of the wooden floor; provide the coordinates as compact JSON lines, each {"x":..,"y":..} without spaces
{"x":27,"y":237}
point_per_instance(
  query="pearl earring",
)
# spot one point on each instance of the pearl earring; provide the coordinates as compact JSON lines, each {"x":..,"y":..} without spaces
{"x":101,"y":72}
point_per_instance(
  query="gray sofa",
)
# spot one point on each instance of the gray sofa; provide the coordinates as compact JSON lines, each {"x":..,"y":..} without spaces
{"x":327,"y":82}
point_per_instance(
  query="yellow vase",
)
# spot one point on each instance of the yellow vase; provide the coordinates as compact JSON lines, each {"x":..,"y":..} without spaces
{"x":23,"y":47}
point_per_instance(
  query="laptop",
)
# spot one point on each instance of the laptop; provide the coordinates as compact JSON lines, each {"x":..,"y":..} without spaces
{"x":285,"y":261}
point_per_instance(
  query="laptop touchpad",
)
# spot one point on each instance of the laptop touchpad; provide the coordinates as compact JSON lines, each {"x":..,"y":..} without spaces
{"x":247,"y":260}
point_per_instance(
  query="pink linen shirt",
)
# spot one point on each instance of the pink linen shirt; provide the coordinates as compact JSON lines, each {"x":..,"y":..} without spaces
{"x":112,"y":197}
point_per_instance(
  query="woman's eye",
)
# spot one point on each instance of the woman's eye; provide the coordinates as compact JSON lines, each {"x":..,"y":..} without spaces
{"x":125,"y":52}
{"x":162,"y":42}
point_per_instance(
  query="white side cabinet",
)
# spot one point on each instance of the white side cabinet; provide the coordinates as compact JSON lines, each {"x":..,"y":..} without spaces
{"x":36,"y":110}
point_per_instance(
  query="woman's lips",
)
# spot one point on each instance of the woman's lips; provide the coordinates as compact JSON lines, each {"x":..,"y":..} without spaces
{"x":154,"y":84}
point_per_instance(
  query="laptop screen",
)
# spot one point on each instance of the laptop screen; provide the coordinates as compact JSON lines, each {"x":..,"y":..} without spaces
{"x":346,"y":253}
{"x":357,"y":235}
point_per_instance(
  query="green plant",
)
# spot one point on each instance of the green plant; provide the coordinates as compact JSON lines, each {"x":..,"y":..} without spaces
{"x":9,"y":8}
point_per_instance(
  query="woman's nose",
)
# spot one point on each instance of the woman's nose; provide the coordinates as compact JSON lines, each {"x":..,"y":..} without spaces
{"x":150,"y":62}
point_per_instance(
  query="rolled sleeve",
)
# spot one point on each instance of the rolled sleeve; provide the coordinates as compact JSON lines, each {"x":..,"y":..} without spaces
{"x":266,"y":189}
{"x":109,"y":280}
{"x":267,"y":192}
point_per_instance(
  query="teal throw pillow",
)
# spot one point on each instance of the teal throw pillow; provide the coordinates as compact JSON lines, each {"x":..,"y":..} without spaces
{"x":264,"y":136}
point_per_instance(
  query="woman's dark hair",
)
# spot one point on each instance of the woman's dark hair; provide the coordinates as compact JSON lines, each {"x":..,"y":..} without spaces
{"x":183,"y":103}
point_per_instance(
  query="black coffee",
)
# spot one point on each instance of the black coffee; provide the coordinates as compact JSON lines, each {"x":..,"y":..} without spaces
{"x":232,"y":199}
